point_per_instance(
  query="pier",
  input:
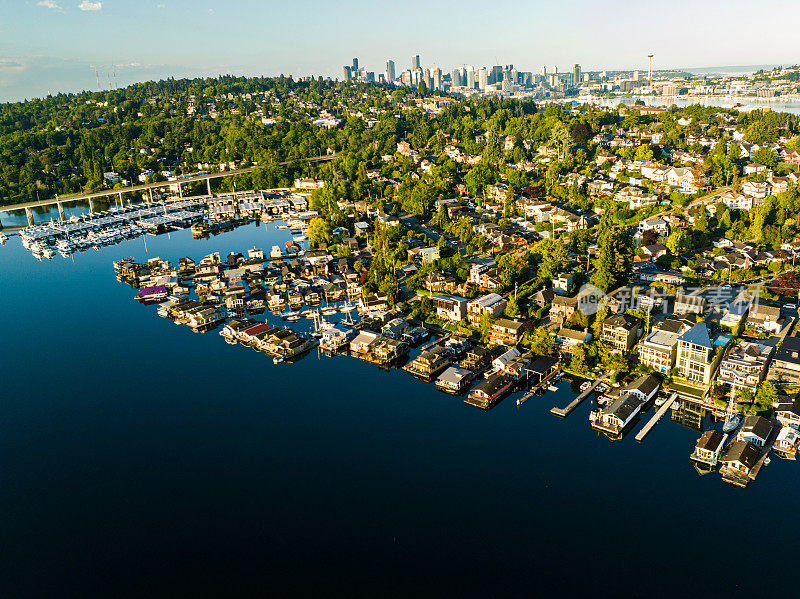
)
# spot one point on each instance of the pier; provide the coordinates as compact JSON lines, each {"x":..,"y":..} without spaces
{"x":543,"y":384}
{"x":654,"y":420}
{"x":564,"y":412}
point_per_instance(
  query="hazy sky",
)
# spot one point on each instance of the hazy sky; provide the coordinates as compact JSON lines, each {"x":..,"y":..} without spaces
{"x":53,"y":45}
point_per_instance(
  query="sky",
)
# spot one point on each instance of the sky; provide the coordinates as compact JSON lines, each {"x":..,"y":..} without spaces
{"x":55,"y":45}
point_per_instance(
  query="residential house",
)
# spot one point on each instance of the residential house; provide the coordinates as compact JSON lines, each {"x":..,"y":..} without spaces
{"x":455,"y":380}
{"x":745,"y":366}
{"x":621,"y":331}
{"x":695,"y":356}
{"x":659,"y":349}
{"x":736,"y":201}
{"x":563,"y":307}
{"x":689,"y":304}
{"x":709,"y":447}
{"x":492,"y":304}
{"x":506,"y":331}
{"x":489,"y":391}
{"x":738,"y":459}
{"x":765,"y":318}
{"x":615,"y":417}
{"x":788,"y":412}
{"x":569,"y":338}
{"x":428,"y":255}
{"x":659,"y":225}
{"x":755,"y":429}
{"x":785,"y":366}
{"x":755,"y":189}
{"x":449,"y":307}
{"x":645,"y":387}
{"x":429,"y":363}
{"x":562,"y":284}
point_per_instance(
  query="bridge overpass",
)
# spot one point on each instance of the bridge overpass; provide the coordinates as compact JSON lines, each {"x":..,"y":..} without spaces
{"x":145,"y":187}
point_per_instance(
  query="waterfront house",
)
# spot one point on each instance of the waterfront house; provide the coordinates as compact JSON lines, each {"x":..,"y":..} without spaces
{"x":617,"y":416}
{"x":738,"y":459}
{"x":492,"y":304}
{"x":517,"y":368}
{"x":542,"y":367}
{"x":659,"y":349}
{"x":755,"y":429}
{"x":337,"y":336}
{"x":489,"y":391}
{"x":429,"y":363}
{"x":709,"y":447}
{"x":569,"y":339}
{"x":388,"y":349}
{"x":506,"y":331}
{"x":206,"y":317}
{"x":695,"y":355}
{"x":645,"y":387}
{"x":786,"y":443}
{"x":744,"y":366}
{"x":500,"y":362}
{"x":621,"y":331}
{"x":476,"y":358}
{"x":363,"y":342}
{"x":394,"y":328}
{"x":454,"y":380}
{"x":788,"y":412}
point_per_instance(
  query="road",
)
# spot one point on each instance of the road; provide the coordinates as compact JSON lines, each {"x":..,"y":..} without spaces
{"x":147,"y":186}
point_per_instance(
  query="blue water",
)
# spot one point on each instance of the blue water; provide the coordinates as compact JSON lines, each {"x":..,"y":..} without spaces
{"x":139,"y":459}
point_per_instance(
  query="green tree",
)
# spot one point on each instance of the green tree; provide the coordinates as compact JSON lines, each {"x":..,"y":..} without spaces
{"x":319,"y":232}
{"x":614,"y":259}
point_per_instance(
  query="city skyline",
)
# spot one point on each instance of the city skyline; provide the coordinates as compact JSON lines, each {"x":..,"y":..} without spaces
{"x":162,"y":39}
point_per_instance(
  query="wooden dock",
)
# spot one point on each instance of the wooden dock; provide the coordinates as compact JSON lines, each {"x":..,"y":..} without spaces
{"x":773,"y":436}
{"x":564,"y":412}
{"x":654,"y":420}
{"x":544,"y":383}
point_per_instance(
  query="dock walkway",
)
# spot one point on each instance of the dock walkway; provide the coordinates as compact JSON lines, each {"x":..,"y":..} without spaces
{"x":564,"y":412}
{"x":656,"y":417}
{"x":545,"y":382}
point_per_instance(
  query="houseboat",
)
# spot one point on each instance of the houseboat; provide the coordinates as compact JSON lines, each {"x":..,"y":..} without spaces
{"x":786,"y":443}
{"x":454,"y":380}
{"x":738,"y":461}
{"x":709,"y":448}
{"x":489,"y":391}
{"x":429,"y":363}
{"x":156,"y":293}
{"x":337,"y":336}
{"x":614,"y":419}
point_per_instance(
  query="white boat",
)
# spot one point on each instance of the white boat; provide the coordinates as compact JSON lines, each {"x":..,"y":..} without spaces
{"x":594,"y":415}
{"x":348,"y":308}
{"x":585,"y":385}
{"x":277,"y":360}
{"x":732,"y":423}
{"x":3,"y":238}
{"x":329,"y":311}
{"x":552,"y":388}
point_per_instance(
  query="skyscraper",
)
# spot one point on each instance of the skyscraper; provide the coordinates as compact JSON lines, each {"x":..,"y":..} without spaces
{"x":355,"y":65}
{"x":576,"y":74}
{"x":347,"y":73}
{"x":437,"y":78}
{"x":455,"y":78}
{"x":483,"y":78}
{"x":470,"y":78}
{"x":389,"y":71}
{"x":415,"y":62}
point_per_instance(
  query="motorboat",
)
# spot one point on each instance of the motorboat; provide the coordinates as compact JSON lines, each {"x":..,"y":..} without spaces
{"x":594,"y":415}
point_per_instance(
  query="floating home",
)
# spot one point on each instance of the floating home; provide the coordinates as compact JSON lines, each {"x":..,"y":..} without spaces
{"x":615,"y":418}
{"x":429,"y":363}
{"x":738,"y":461}
{"x":455,"y":380}
{"x":489,"y":391}
{"x":708,"y":448}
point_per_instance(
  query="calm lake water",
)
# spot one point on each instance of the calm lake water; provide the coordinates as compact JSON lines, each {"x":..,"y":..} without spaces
{"x":139,"y":459}
{"x":683,"y":102}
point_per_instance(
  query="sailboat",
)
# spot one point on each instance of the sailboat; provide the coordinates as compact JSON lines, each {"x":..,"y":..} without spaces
{"x":733,"y":419}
